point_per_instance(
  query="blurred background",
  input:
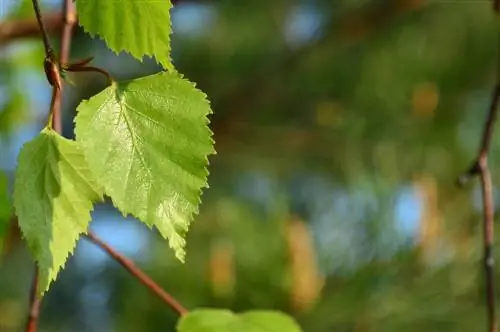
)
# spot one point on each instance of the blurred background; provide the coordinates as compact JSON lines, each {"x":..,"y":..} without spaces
{"x":341,"y":127}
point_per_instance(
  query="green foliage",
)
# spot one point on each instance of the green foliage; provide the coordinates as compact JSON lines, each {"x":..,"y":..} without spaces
{"x":147,"y":141}
{"x":343,"y":112}
{"x":53,"y":195}
{"x":13,"y":112}
{"x":4,"y":204}
{"x":135,"y":26}
{"x":214,"y":320}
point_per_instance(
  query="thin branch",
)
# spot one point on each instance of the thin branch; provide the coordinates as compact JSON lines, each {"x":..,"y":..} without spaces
{"x":140,"y":275}
{"x":480,"y":168}
{"x":45,"y":35}
{"x":54,"y":78}
{"x":32,"y":321}
{"x":28,"y":28}
{"x":69,"y":19}
{"x":489,"y":262}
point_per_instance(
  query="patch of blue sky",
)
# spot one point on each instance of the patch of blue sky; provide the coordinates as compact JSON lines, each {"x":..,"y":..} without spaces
{"x":303,"y":24}
{"x":193,"y":19}
{"x":408,"y":212}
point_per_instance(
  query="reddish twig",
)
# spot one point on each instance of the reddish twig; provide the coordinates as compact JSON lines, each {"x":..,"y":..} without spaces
{"x":32,"y":321}
{"x":69,"y":19}
{"x":141,"y":276}
{"x":480,"y":168}
{"x":54,"y":78}
{"x":45,"y":35}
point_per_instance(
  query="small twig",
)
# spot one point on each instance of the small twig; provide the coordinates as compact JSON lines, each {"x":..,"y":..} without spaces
{"x":54,"y":78}
{"x":141,"y":276}
{"x":32,"y":321}
{"x":45,"y":35}
{"x":480,"y":168}
{"x":92,"y":69}
{"x":69,"y":19}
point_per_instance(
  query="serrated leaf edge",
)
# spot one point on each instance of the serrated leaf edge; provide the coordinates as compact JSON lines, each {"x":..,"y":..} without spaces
{"x":40,"y":290}
{"x":167,"y":66}
{"x":180,"y":252}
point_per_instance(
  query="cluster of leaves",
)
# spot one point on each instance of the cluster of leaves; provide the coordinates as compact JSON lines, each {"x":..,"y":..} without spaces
{"x":144,"y":143}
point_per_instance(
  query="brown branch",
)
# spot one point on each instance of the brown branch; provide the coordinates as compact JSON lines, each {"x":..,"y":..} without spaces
{"x":29,"y":28}
{"x":45,"y":35}
{"x":69,"y":19}
{"x":54,"y":78}
{"x":140,"y":275}
{"x":32,"y":321}
{"x":480,"y":168}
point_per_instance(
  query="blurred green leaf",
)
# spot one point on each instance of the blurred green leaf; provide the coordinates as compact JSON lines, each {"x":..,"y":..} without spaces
{"x":5,"y":204}
{"x":14,"y":113}
{"x":216,"y":320}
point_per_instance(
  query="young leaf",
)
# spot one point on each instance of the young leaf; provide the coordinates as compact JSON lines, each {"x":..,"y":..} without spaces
{"x":216,"y":320}
{"x":135,"y":26}
{"x":147,"y":141}
{"x":53,"y":195}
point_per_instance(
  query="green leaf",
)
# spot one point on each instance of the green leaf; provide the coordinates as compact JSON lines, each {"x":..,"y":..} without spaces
{"x":216,"y":320}
{"x":147,"y":141}
{"x":13,"y":113}
{"x":53,"y":195}
{"x":135,"y":26}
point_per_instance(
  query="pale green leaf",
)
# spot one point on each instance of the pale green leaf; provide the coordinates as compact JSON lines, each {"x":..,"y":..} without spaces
{"x":217,"y":320}
{"x":140,"y":27}
{"x":147,"y":141}
{"x":53,"y":195}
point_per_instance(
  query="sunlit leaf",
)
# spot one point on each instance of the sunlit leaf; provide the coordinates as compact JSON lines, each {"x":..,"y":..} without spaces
{"x":147,"y":141}
{"x":135,"y":26}
{"x":53,"y":195}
